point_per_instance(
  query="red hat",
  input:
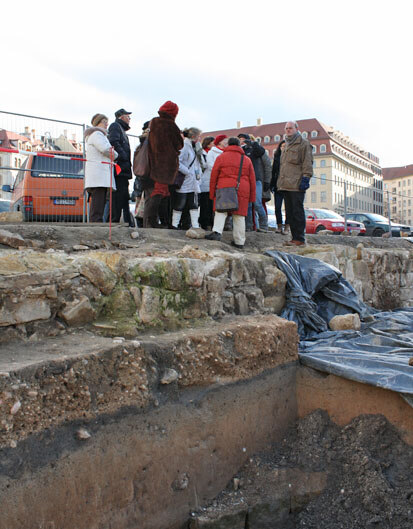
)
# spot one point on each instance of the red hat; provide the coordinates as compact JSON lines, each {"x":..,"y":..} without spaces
{"x":170,"y":108}
{"x":219,"y":138}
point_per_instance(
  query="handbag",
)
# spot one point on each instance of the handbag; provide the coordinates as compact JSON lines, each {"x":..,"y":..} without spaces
{"x":180,"y":177}
{"x":141,"y":166}
{"x":226,"y":198}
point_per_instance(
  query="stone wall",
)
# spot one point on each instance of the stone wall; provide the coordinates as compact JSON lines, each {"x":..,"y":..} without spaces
{"x":44,"y":293}
{"x":383,"y":278}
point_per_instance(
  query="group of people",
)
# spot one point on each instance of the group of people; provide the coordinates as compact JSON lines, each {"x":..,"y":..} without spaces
{"x":176,"y":187}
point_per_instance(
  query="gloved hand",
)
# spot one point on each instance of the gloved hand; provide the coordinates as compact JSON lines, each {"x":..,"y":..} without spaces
{"x":305,"y":183}
{"x":266,"y":186}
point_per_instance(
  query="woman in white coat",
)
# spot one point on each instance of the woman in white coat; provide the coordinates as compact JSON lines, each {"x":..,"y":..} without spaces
{"x":186,"y":197}
{"x":98,"y":174}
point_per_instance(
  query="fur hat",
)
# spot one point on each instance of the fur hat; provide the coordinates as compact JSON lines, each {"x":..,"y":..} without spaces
{"x":97,"y":118}
{"x":169,"y":108}
{"x":219,"y":138}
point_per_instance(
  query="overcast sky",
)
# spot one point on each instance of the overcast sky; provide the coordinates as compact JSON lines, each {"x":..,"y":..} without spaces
{"x":348,"y":64}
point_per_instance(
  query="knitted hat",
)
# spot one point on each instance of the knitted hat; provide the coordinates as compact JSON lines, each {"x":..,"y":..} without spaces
{"x":169,"y":108}
{"x":219,"y":138}
{"x":97,"y":118}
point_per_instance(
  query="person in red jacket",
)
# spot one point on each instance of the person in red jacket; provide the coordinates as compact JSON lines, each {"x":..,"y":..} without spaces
{"x":225,"y":174}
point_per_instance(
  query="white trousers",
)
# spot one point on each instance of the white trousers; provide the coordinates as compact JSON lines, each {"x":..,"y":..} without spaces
{"x":238,"y":224}
{"x":194,"y":214}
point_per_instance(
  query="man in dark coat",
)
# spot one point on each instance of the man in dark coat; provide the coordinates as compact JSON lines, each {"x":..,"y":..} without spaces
{"x":120,"y":141}
{"x":255,"y":151}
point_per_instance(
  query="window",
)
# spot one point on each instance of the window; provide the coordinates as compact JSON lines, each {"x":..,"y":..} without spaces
{"x":313,"y":196}
{"x":322,"y":163}
{"x":277,"y":138}
{"x":314,"y":164}
{"x":323,"y":196}
{"x":304,"y":135}
{"x":258,"y":139}
{"x":266,"y":139}
{"x":323,"y":148}
{"x":323,"y":179}
{"x":314,"y":148}
{"x":314,"y":134}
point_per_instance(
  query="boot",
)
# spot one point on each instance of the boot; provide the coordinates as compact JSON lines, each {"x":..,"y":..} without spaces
{"x":214,"y":236}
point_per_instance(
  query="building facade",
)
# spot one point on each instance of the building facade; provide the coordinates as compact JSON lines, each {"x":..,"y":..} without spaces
{"x":341,"y":167}
{"x":398,"y":183}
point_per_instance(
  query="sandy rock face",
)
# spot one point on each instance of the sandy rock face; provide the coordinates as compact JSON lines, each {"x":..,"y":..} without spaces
{"x":345,"y":322}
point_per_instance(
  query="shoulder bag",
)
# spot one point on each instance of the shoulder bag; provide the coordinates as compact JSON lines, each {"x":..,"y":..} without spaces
{"x":180,"y":177}
{"x":227,"y":197}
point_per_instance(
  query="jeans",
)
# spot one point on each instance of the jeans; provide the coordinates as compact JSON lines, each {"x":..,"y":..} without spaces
{"x":279,"y":198}
{"x":259,"y":209}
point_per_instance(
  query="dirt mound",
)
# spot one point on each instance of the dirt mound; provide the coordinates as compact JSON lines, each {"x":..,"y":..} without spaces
{"x":322,"y":476}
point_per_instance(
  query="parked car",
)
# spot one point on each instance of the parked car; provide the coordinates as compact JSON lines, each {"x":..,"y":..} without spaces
{"x":4,"y":205}
{"x":325,"y":219}
{"x":49,"y":189}
{"x":376,"y":225}
{"x":355,"y":226}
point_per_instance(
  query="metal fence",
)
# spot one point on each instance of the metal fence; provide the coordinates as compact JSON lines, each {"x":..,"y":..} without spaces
{"x":42,"y":175}
{"x":42,"y":167}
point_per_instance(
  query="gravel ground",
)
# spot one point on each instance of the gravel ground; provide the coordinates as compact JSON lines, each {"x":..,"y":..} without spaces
{"x":368,"y":471}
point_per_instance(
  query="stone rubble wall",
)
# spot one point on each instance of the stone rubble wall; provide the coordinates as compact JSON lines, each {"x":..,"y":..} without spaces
{"x":121,"y":293}
{"x":382,"y":278}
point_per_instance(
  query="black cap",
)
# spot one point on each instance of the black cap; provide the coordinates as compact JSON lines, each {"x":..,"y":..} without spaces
{"x":245,"y":136}
{"x":145,"y":125}
{"x":121,"y":112}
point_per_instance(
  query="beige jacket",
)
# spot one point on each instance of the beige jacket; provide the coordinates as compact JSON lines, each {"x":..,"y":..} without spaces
{"x":296,"y":162}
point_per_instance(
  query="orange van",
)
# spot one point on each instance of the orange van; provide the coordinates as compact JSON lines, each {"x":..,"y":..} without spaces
{"x":49,"y":189}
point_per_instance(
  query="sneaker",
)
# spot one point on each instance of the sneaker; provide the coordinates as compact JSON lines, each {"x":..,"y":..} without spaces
{"x":214,"y":236}
{"x":239,"y":246}
{"x":262,"y":230}
{"x":278,"y":230}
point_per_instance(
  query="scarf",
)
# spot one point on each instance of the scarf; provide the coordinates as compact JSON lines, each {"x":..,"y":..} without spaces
{"x":291,"y":139}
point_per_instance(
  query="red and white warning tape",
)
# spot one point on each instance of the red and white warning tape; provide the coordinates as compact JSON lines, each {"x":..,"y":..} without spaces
{"x":49,"y":155}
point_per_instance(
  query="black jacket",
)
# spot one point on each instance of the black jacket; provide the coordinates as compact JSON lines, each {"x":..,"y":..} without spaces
{"x":120,"y":141}
{"x":276,"y":167}
{"x":254,"y":151}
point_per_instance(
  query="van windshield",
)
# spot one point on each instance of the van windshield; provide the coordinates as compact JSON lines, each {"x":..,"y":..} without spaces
{"x":56,"y":168}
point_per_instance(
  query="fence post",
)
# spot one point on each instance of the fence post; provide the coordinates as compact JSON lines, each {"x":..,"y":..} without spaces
{"x":345,"y":206}
{"x":389,"y":212}
{"x":84,"y":166}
